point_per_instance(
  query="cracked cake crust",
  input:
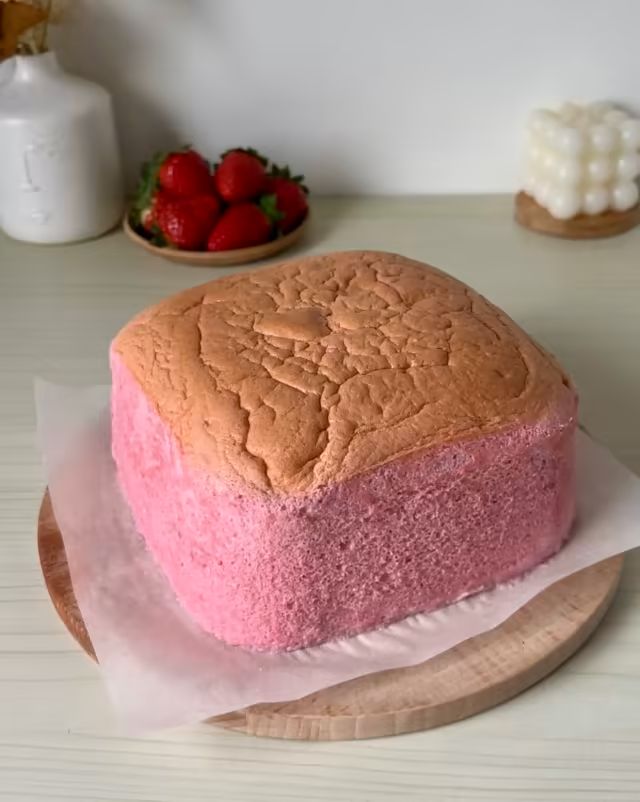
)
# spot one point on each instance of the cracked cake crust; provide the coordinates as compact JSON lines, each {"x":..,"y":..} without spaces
{"x":318,"y":370}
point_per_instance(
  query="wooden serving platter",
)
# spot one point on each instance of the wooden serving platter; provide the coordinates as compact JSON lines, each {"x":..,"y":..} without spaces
{"x":475,"y":675}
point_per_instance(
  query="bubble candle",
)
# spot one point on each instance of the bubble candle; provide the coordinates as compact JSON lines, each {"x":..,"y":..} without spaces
{"x":582,"y":161}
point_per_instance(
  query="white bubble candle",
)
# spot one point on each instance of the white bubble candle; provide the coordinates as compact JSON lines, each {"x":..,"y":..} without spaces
{"x":583,"y":160}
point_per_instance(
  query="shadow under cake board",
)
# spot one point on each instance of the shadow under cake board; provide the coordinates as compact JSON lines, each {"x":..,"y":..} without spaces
{"x":475,"y":675}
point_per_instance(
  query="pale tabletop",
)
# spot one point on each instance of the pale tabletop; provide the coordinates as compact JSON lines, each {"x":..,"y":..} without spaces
{"x":573,"y":737}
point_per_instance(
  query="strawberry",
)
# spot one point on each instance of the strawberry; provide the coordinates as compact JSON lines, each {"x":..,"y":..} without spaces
{"x":290,"y":197}
{"x":242,"y":226}
{"x":240,"y":175}
{"x":177,"y":174}
{"x":142,"y":209}
{"x":185,"y":174}
{"x":149,"y":217}
{"x":185,"y":223}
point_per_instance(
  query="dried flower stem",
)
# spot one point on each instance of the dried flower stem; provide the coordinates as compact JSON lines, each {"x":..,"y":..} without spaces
{"x":42,"y":46}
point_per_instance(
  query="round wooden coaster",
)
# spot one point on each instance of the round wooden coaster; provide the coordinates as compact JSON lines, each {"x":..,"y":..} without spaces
{"x":240,"y":256}
{"x":533,"y":216}
{"x":474,"y":676}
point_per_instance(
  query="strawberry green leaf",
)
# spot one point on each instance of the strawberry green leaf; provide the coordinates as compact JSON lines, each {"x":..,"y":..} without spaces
{"x":285,"y":172}
{"x":158,"y":238}
{"x":147,"y":186}
{"x":269,"y":205}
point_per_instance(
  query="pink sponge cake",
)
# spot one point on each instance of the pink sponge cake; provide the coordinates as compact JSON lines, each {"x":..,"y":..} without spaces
{"x":329,"y":445}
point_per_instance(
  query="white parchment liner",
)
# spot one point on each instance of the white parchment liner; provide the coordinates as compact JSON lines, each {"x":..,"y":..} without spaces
{"x":161,"y":670}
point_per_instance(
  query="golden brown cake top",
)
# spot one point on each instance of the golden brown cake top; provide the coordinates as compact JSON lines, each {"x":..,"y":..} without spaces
{"x":313,"y":371}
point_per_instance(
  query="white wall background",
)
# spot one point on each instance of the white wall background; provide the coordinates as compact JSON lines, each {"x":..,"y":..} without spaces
{"x":382,"y":96}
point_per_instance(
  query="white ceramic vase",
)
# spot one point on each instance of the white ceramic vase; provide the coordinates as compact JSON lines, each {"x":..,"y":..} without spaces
{"x":60,"y":172}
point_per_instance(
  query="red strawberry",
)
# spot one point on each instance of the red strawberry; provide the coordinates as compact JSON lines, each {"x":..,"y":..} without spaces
{"x":185,"y":223}
{"x":185,"y":174}
{"x":149,"y":217}
{"x":290,"y":197}
{"x":166,"y":176}
{"x":241,"y":226}
{"x":240,"y":176}
{"x":206,"y":208}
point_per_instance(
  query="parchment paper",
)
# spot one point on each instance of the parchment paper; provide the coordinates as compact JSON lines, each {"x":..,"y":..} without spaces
{"x":161,"y":670}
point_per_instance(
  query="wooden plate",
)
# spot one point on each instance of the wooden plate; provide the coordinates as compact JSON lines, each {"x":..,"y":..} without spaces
{"x":585,"y":226}
{"x":219,"y":258}
{"x":474,"y":676}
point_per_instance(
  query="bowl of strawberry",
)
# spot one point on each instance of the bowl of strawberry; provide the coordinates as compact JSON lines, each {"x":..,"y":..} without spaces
{"x":240,"y":210}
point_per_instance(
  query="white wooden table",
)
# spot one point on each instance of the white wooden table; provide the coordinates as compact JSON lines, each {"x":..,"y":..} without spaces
{"x":576,"y":736}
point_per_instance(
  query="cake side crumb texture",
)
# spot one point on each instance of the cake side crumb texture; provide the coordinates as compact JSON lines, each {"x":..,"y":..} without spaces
{"x":273,"y":572}
{"x":291,"y":378}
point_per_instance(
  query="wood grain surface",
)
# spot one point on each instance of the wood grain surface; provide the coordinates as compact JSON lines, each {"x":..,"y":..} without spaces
{"x":585,"y":226}
{"x":479,"y":673}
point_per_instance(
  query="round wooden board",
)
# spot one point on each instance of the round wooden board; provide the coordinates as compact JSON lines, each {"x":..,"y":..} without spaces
{"x":533,"y":216}
{"x":218,"y":258}
{"x":474,"y":676}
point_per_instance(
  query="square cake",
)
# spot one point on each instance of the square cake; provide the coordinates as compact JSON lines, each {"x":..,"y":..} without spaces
{"x":322,"y":447}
